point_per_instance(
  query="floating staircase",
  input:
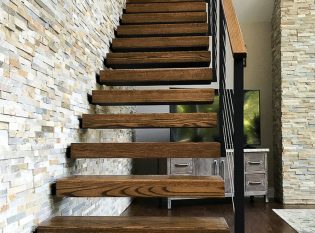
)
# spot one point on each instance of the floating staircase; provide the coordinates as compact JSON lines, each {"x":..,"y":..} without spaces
{"x":159,"y":42}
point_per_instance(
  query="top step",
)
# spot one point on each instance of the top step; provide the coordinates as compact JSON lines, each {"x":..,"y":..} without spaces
{"x":149,"y":1}
{"x":166,"y":7}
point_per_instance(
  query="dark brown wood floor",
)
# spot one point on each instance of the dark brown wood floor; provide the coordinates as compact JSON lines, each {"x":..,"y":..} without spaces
{"x":259,"y":216}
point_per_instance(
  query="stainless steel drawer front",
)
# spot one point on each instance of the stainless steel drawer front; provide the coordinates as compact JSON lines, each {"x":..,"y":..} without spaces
{"x":255,"y":163}
{"x":255,"y":182}
{"x":181,"y":166}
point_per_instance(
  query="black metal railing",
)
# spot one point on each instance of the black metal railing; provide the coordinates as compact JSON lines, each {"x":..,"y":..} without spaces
{"x":212,"y":25}
{"x":231,"y":103}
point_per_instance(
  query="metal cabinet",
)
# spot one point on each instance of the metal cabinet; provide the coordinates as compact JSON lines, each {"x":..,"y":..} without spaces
{"x":193,"y":166}
{"x":256,"y":174}
{"x":256,"y":171}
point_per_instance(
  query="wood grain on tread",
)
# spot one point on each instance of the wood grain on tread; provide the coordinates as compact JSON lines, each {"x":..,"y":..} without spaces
{"x":151,"y":120}
{"x":161,"y":43}
{"x":158,"y":59}
{"x":151,"y":97}
{"x":174,"y":17}
{"x":166,"y":7}
{"x":146,"y":150}
{"x":142,"y":224}
{"x":156,"y":77}
{"x":140,"y":186}
{"x":162,"y":30}
{"x":148,"y":1}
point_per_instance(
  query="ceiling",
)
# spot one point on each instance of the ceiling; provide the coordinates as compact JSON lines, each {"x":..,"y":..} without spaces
{"x":254,"y":10}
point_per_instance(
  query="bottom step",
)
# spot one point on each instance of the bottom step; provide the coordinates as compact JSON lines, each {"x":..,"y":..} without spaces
{"x":134,"y":225}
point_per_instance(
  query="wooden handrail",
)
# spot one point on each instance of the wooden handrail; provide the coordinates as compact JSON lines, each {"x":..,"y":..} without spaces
{"x":234,"y":30}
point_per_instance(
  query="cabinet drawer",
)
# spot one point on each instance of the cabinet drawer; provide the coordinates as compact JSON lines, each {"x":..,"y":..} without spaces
{"x":181,"y":166}
{"x":255,"y":182}
{"x":255,"y":162}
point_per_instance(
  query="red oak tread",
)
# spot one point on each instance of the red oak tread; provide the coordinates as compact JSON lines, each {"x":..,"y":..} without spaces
{"x":142,"y":224}
{"x":148,"y":1}
{"x":162,"y":30}
{"x":131,"y":77}
{"x":153,"y":97}
{"x":161,"y":43}
{"x":146,"y":150}
{"x":140,"y":186}
{"x":151,"y":120}
{"x":166,"y":7}
{"x":158,"y":59}
{"x":174,"y":17}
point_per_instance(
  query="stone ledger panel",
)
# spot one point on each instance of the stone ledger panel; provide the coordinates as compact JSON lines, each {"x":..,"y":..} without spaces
{"x":49,"y":54}
{"x":294,"y":98}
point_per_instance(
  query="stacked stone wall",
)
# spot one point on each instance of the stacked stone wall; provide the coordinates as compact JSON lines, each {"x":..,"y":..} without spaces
{"x":294,"y":96}
{"x":50,"y":51}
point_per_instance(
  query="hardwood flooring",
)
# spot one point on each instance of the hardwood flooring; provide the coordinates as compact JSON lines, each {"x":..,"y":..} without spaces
{"x":260,"y":217}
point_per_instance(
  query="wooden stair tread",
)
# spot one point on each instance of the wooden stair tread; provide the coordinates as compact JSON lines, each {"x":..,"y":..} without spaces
{"x":151,"y":120}
{"x":141,"y":224}
{"x":158,"y":59}
{"x":134,"y":77}
{"x":146,"y":150}
{"x":161,"y":43}
{"x":174,"y":17}
{"x":150,"y":97}
{"x":162,"y":30}
{"x":166,"y":7}
{"x":148,"y":1}
{"x":140,"y":186}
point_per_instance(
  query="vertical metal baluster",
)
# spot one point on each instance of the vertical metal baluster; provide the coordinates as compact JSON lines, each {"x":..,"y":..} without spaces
{"x":214,"y":33}
{"x":222,"y":76}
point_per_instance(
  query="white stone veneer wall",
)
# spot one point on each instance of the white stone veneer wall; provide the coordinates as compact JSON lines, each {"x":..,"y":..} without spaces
{"x":50,"y":51}
{"x":294,"y":96}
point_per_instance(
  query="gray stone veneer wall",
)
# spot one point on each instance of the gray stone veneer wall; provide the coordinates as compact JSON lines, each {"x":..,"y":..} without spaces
{"x":50,"y":51}
{"x":294,"y":99}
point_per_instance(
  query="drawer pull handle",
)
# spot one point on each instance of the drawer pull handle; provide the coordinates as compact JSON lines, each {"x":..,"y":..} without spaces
{"x":216,"y":168}
{"x":255,"y":163}
{"x":254,"y":183}
{"x":181,"y":164}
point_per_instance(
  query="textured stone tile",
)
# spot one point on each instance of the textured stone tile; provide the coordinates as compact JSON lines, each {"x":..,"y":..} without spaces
{"x":293,"y":96}
{"x":48,"y":63}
